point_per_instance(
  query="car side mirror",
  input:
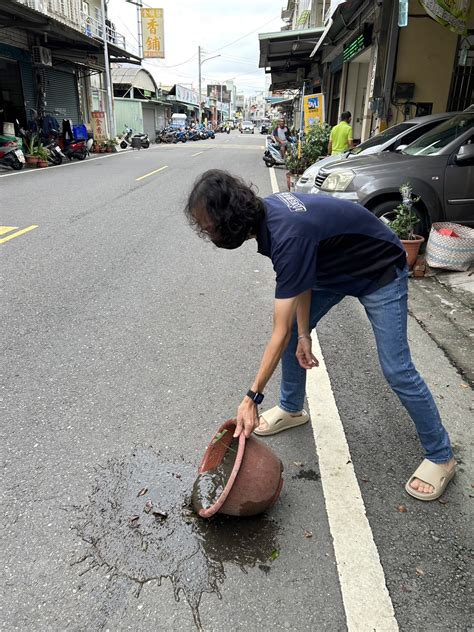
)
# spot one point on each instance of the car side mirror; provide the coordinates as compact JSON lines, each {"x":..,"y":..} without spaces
{"x":465,"y":154}
{"x":400,"y":148}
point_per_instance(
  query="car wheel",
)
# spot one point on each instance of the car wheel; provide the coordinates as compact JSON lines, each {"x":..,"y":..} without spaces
{"x":386,"y":212}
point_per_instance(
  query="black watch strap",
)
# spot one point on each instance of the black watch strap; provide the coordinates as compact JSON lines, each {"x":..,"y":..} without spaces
{"x":257,"y":398}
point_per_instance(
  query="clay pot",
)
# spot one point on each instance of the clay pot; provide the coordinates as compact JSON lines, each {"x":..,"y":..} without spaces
{"x":31,"y":160}
{"x":412,"y":246}
{"x":42,"y":163}
{"x":255,"y":482}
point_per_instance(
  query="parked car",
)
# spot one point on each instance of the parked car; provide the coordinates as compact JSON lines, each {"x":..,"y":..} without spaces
{"x":439,"y":166}
{"x":247,"y":127}
{"x":388,"y":140}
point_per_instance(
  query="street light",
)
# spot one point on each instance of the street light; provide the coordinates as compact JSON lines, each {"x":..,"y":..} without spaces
{"x":200,"y":64}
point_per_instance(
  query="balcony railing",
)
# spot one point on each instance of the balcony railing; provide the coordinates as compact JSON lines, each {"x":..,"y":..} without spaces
{"x":70,"y":12}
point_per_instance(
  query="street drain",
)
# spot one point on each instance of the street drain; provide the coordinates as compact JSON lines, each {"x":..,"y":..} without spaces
{"x":140,"y":526}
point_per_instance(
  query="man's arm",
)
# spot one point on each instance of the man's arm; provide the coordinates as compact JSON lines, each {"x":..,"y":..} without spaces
{"x":283,"y":317}
{"x":330,"y":144}
{"x":350,"y":140}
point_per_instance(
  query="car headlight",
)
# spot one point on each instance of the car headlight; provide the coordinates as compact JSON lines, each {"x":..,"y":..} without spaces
{"x":338,"y":181}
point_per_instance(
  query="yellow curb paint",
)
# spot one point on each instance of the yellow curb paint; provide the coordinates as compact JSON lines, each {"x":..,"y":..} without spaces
{"x":17,"y":234}
{"x":147,"y":175}
{"x":7,"y":229}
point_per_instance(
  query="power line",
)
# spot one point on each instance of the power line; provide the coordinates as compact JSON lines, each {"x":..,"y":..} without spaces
{"x":246,"y":35}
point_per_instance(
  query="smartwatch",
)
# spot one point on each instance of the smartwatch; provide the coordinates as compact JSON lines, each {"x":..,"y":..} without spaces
{"x":257,"y":398}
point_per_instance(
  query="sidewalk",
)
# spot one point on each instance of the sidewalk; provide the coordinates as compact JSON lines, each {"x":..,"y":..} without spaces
{"x":443,"y":303}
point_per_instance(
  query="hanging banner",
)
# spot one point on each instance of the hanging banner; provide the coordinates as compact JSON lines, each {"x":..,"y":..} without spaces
{"x":450,"y":13}
{"x":99,"y":130}
{"x":313,"y":110}
{"x":153,"y":33}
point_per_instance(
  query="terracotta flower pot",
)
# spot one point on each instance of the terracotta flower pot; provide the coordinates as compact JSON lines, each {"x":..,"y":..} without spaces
{"x":412,"y":246}
{"x":31,"y":160}
{"x":255,"y":481}
{"x":42,"y":163}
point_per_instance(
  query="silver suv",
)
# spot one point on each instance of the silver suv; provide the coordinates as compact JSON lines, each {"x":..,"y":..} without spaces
{"x":388,"y":140}
{"x":439,"y":166}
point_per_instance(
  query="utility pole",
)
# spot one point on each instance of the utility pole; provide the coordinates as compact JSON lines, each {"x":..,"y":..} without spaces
{"x":108,"y":81}
{"x":139,"y":29}
{"x":199,"y":62}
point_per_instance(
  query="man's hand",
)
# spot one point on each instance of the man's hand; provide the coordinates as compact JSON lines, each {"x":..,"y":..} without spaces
{"x":247,"y":418}
{"x":303,"y":354}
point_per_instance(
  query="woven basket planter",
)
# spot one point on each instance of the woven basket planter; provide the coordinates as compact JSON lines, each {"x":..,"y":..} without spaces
{"x":450,"y":253}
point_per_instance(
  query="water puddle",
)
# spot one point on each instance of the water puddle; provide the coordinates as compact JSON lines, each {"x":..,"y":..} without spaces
{"x":140,"y":525}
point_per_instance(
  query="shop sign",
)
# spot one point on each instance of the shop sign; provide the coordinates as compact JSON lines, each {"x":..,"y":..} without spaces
{"x":99,"y":130}
{"x":451,"y":13}
{"x":313,"y":109}
{"x":185,"y":95}
{"x":153,"y":33}
{"x":358,"y":44}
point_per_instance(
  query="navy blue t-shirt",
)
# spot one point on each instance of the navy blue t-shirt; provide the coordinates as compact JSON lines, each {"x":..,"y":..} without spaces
{"x":324,"y":241}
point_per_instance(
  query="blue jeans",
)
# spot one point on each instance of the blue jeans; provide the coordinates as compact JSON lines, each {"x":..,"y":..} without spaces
{"x":387,"y":311}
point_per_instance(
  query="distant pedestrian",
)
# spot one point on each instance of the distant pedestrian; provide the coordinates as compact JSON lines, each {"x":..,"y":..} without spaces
{"x":341,"y":139}
{"x":323,"y":249}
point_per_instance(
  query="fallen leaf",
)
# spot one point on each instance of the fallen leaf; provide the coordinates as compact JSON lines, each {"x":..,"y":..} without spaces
{"x":364,"y":479}
{"x":463,"y":385}
{"x":443,"y":501}
{"x":349,"y":461}
{"x":275,"y":555}
{"x":148,"y":506}
{"x":134,"y":518}
{"x":402,"y":509}
{"x":308,"y":534}
{"x":159,"y":514}
{"x":298,"y":463}
{"x":419,"y":571}
{"x":143,"y":491}
{"x":406,"y":588}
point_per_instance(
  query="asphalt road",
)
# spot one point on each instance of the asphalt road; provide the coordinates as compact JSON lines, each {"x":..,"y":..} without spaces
{"x":126,"y":341}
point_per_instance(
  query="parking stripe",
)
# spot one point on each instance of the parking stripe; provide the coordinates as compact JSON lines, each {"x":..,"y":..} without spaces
{"x":7,"y":229}
{"x":147,"y":175}
{"x":17,"y":233}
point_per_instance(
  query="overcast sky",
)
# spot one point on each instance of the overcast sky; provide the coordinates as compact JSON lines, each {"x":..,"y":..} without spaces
{"x":212,"y":25}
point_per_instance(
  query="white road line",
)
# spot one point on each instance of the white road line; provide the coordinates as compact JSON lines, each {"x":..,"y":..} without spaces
{"x":367,"y":603}
{"x":273,"y":180}
{"x":366,"y":599}
{"x":199,"y":152}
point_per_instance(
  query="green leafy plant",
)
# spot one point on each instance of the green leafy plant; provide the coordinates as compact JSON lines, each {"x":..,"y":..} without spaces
{"x":41,"y":152}
{"x":313,"y":146}
{"x":405,"y":220}
{"x":30,"y":144}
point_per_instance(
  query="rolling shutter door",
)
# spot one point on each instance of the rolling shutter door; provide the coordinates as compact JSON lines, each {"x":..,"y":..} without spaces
{"x":61,"y":94}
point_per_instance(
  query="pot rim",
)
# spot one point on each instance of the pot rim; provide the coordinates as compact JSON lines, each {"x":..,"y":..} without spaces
{"x":417,"y":239}
{"x":213,"y":509}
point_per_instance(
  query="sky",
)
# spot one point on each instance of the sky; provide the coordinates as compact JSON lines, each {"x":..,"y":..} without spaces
{"x":215,"y":26}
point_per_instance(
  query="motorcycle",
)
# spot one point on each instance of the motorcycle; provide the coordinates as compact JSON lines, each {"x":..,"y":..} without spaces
{"x":50,"y":144}
{"x":10,"y":154}
{"x":272,"y":156}
{"x":131,"y":140}
{"x":78,"y":149}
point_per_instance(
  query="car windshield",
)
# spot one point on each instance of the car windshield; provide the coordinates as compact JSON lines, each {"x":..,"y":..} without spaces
{"x":247,"y":123}
{"x":434,"y":141}
{"x":382,"y":138}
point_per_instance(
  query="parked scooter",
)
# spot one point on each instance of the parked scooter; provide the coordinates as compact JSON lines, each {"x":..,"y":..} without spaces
{"x":78,"y":149}
{"x":11,"y":154}
{"x":129,"y":136}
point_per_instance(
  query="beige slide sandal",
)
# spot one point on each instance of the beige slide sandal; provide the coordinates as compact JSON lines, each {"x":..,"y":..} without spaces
{"x":431,"y":474}
{"x":278,"y":420}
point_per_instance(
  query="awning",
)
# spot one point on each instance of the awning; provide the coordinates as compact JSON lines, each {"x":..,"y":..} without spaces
{"x":342,"y":14}
{"x":286,"y":54}
{"x":136,"y":77}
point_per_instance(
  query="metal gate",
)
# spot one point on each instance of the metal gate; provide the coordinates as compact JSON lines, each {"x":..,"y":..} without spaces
{"x":60,"y":87}
{"x":149,"y":125}
{"x":462,"y":85}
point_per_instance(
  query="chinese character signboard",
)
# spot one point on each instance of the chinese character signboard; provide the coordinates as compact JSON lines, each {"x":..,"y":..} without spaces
{"x":313,"y":109}
{"x":185,"y":95}
{"x":450,"y":13}
{"x":99,"y":129}
{"x":153,"y":33}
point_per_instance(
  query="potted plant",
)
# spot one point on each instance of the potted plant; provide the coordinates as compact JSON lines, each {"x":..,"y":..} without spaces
{"x":42,"y":155}
{"x":30,"y":145}
{"x":405,"y":222}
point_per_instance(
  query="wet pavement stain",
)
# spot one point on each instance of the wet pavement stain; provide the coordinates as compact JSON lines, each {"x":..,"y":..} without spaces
{"x":308,"y":475}
{"x":139,"y":525}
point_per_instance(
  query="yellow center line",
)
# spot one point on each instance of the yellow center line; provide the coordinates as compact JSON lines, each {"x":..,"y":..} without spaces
{"x":7,"y":229}
{"x":151,"y":173}
{"x":17,"y":234}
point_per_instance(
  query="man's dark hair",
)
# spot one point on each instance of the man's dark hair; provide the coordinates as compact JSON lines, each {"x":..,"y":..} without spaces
{"x":345,"y":116}
{"x":233,"y":208}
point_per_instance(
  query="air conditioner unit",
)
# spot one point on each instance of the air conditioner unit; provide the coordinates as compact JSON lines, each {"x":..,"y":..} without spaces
{"x":41,"y":56}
